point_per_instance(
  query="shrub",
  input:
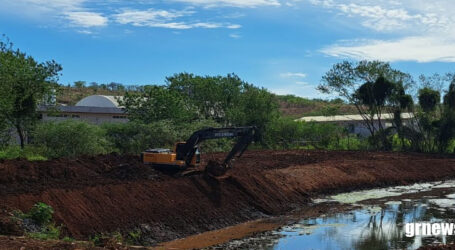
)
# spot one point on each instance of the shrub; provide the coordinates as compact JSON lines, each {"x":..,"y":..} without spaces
{"x":30,"y":153}
{"x":321,"y":135}
{"x":349,"y":142}
{"x":134,"y":137}
{"x":133,"y":237}
{"x":50,"y":232}
{"x":41,"y":213}
{"x":70,"y":139}
{"x":11,"y":152}
{"x":284,"y":133}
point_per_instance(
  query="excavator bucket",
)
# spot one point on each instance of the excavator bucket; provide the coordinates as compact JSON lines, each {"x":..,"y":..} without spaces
{"x":215,"y":169}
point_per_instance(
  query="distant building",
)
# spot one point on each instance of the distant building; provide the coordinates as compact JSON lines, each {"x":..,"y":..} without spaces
{"x":355,"y":123}
{"x":96,"y":109}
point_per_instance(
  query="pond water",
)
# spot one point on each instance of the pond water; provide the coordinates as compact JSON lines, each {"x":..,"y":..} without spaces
{"x":378,"y":223}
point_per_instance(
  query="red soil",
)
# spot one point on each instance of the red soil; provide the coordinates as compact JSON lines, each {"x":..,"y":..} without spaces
{"x":112,"y":193}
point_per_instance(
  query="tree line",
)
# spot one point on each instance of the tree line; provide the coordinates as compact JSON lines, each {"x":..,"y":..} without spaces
{"x":376,"y":89}
{"x":163,"y":114}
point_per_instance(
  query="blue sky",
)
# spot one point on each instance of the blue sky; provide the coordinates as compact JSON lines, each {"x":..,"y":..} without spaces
{"x":283,"y":45}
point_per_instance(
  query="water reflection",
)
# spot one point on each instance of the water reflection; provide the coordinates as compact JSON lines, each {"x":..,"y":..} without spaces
{"x":367,"y":228}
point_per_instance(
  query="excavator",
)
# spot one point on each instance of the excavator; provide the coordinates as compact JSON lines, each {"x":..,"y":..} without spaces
{"x":185,"y":158}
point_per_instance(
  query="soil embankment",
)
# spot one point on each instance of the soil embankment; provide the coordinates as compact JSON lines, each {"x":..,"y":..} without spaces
{"x":112,"y":193}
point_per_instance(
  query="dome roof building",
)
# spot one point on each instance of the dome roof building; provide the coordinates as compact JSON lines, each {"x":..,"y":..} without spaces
{"x":102,"y":101}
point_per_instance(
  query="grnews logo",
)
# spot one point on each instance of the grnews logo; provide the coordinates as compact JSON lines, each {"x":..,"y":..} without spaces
{"x":429,"y":229}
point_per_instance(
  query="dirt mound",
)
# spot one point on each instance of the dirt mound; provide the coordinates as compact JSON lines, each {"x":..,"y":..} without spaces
{"x":22,"y":176}
{"x":113,"y":193}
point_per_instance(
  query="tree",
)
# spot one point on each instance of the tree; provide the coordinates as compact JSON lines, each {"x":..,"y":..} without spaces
{"x":427,"y":119}
{"x":157,"y":103}
{"x":134,"y":137}
{"x":371,"y":98}
{"x":447,"y":123}
{"x":24,"y":83}
{"x":212,"y":95}
{"x":95,"y":86}
{"x":344,"y":78}
{"x":5,"y":133}
{"x":79,"y":84}
{"x":373,"y":87}
{"x":256,"y":107}
{"x":429,"y":99}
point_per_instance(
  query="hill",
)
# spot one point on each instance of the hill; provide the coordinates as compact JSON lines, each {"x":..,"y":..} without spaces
{"x":289,"y":105}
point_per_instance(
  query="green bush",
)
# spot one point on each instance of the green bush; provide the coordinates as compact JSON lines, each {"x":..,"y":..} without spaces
{"x":11,"y":152}
{"x":50,"y":232}
{"x":30,"y":153}
{"x":70,"y":139}
{"x":133,"y":237}
{"x":134,"y":137}
{"x":321,"y":135}
{"x":41,"y":213}
{"x":399,"y":144}
{"x":284,"y":133}
{"x":349,"y":142}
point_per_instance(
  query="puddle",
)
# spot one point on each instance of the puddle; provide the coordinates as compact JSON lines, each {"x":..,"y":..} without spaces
{"x":378,"y":224}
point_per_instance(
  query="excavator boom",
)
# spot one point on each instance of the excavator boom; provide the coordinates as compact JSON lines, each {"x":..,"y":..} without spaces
{"x":246,"y":135}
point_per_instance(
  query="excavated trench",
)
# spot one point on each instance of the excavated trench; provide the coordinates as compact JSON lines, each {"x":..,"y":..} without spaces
{"x":110,"y":193}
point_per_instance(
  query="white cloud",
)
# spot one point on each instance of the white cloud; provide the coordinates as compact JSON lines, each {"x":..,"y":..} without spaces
{"x":420,"y":49}
{"x":293,"y":75}
{"x":84,"y":15}
{"x":72,"y":12}
{"x":232,"y":3}
{"x":385,"y":15}
{"x":43,"y":5}
{"x":86,"y":32}
{"x":86,"y":19}
{"x":235,"y":36}
{"x":165,"y":19}
{"x":234,"y":26}
{"x":423,"y":31}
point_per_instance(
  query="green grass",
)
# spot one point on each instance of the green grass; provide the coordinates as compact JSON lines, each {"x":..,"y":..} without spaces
{"x":15,"y":152}
{"x":51,"y":232}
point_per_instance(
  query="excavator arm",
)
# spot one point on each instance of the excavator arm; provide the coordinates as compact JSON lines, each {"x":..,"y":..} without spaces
{"x":245,"y":134}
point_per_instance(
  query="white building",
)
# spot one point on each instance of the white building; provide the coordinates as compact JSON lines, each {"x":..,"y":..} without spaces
{"x":96,"y":109}
{"x":355,"y":123}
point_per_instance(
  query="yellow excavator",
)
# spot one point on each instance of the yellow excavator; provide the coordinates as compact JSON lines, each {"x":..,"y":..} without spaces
{"x":186,"y":158}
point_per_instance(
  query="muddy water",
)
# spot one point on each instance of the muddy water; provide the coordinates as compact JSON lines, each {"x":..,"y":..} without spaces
{"x":376,"y":221}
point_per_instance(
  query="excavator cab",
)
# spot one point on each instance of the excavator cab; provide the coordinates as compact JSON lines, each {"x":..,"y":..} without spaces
{"x":186,"y":154}
{"x":180,"y":146}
